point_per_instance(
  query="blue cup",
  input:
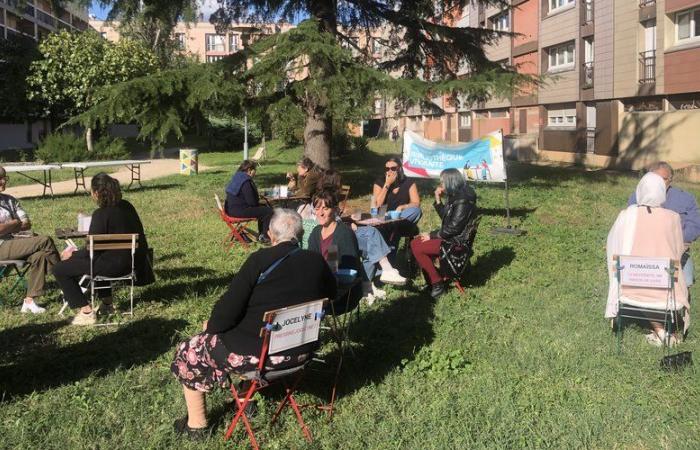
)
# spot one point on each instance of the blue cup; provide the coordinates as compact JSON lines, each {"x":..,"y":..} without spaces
{"x":374,"y":212}
{"x":394,"y":215}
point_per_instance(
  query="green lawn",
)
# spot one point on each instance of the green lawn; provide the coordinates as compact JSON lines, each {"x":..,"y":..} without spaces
{"x":523,"y":359}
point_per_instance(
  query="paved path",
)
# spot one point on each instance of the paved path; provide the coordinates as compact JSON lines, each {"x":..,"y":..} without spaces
{"x":157,"y":168}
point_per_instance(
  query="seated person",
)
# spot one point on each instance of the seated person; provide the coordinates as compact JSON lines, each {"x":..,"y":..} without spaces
{"x":113,"y":216}
{"x":455,"y":215}
{"x":397,"y":191}
{"x":242,"y":199}
{"x":373,"y":247}
{"x":231,"y":339}
{"x":332,"y":232}
{"x":308,"y":175}
{"x":39,"y":251}
{"x":647,"y":229}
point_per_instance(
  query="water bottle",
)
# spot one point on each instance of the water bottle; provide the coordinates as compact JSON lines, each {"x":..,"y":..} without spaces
{"x":373,"y":207}
{"x":332,"y":258}
{"x":81,"y":221}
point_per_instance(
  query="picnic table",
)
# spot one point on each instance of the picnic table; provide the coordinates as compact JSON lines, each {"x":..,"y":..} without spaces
{"x":134,"y":165}
{"x":284,"y":201}
{"x":21,"y":169}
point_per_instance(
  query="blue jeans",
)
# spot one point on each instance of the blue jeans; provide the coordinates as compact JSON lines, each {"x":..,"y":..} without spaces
{"x":412,"y":214}
{"x":372,"y":248}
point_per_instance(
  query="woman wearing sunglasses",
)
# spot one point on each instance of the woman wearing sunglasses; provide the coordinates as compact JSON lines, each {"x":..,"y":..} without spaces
{"x":397,"y":192}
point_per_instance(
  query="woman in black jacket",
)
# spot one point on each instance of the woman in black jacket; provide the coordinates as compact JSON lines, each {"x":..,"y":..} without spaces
{"x":231,"y":342}
{"x":114,"y":216}
{"x":242,"y":199}
{"x":455,"y":215}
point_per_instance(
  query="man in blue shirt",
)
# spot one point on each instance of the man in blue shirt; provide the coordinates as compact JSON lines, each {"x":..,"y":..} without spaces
{"x":684,"y":204}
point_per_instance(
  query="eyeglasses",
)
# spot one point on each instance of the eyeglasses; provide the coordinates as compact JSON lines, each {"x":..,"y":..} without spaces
{"x":392,"y":169}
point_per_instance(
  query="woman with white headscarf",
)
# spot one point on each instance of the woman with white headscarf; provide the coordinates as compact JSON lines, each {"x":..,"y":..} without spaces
{"x":647,"y":229}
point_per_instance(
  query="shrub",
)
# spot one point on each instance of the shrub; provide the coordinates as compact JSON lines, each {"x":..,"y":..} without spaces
{"x":359,"y":143}
{"x":287,"y":122}
{"x":229,"y":134}
{"x":68,"y":147}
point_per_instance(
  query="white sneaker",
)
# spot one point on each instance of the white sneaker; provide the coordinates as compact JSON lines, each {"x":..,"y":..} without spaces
{"x":392,"y":276}
{"x":370,"y":299}
{"x":378,"y":293}
{"x":32,"y":308}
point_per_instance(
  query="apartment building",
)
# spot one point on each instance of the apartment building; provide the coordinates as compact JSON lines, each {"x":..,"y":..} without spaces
{"x":621,"y":79}
{"x":37,"y":18}
{"x":200,"y":39}
{"x":34,"y":19}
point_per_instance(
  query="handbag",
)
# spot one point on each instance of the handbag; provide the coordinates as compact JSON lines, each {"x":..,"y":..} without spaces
{"x":677,"y":361}
{"x":454,"y":258}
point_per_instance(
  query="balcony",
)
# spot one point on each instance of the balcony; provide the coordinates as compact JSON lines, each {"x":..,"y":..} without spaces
{"x":645,"y":3}
{"x":45,"y":18}
{"x":587,"y":75}
{"x":647,"y":67}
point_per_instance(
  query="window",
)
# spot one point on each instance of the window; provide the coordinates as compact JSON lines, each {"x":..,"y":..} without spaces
{"x":561,"y":117}
{"x":561,"y":57}
{"x":465,"y":120}
{"x":180,"y":40}
{"x":556,"y":4}
{"x":688,"y":24}
{"x":233,"y":43}
{"x":501,"y":22}
{"x":378,"y":104}
{"x":214,"y":58}
{"x":215,"y":42}
{"x":499,"y":113}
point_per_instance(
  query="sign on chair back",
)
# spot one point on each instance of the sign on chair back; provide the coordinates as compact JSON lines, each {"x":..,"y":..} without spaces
{"x":655,"y":274}
{"x":285,"y":329}
{"x":111,"y":242}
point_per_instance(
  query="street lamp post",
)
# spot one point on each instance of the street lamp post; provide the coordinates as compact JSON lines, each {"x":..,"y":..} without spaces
{"x":245,"y":134}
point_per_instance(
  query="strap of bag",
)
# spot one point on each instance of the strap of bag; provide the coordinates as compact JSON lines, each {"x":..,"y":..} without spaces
{"x":274,"y":265}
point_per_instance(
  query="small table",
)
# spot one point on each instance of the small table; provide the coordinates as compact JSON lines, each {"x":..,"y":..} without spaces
{"x":70,"y":233}
{"x":284,"y":201}
{"x":133,"y":165}
{"x":46,"y":168}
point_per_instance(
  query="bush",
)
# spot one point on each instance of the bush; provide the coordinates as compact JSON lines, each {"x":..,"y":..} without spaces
{"x":229,"y":134}
{"x":287,"y":122}
{"x":68,"y":147}
{"x":359,"y":143}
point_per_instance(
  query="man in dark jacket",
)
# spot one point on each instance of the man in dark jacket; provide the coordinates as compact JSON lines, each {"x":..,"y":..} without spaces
{"x":231,"y":339}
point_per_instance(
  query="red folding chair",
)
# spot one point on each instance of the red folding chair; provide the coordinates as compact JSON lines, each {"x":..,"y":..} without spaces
{"x":237,"y":226}
{"x":284,"y":329}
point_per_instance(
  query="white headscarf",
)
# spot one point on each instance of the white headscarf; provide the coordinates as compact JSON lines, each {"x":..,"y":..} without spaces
{"x":651,"y":190}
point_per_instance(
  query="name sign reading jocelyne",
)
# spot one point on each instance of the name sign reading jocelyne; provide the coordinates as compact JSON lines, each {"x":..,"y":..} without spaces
{"x":645,"y":272}
{"x":296,"y":326}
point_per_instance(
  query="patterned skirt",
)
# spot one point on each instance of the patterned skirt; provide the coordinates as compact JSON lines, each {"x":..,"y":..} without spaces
{"x":203,"y":362}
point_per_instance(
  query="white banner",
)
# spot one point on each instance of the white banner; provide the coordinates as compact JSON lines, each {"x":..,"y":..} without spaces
{"x":295,"y":326}
{"x":480,"y":160}
{"x":637,"y":271}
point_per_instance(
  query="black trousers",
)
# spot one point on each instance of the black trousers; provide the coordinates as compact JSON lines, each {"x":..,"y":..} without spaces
{"x":262,"y":213}
{"x":68,"y":274}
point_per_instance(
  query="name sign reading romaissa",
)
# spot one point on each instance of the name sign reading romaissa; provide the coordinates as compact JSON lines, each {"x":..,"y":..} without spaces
{"x":295,"y":326}
{"x":645,"y":272}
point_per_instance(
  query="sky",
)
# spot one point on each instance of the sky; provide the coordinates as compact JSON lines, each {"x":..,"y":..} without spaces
{"x":208,"y":7}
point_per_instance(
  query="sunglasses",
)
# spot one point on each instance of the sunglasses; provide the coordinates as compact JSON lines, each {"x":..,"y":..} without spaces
{"x":392,"y":169}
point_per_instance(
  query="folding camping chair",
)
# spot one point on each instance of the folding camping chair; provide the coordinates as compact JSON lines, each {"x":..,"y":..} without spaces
{"x":652,"y":273}
{"x":284,"y":329}
{"x":237,"y":226}
{"x":472,"y":228}
{"x":15,"y":267}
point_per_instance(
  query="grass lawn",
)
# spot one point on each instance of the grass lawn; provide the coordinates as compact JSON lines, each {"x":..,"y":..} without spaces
{"x":523,"y":359}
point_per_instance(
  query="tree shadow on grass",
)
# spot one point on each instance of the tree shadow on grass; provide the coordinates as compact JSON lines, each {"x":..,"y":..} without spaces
{"x":125,"y":191}
{"x":170,"y":292}
{"x":501,"y":212}
{"x":51,"y":365}
{"x":486,"y":266}
{"x":177,"y":272}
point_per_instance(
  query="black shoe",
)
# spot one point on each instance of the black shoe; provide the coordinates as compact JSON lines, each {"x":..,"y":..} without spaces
{"x":438,"y":289}
{"x":195,"y":434}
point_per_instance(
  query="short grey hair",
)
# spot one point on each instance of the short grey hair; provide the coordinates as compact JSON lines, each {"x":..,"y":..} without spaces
{"x":660,"y":165}
{"x":286,"y":225}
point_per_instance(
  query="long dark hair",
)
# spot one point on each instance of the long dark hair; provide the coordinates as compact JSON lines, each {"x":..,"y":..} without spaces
{"x":107,"y":189}
{"x":454,"y":182}
{"x":400,"y":176}
{"x":247,"y":165}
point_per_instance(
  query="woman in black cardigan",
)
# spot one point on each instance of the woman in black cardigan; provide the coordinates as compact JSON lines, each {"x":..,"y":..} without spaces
{"x":242,"y":199}
{"x":114,"y":216}
{"x":332,"y":232}
{"x":231,"y":339}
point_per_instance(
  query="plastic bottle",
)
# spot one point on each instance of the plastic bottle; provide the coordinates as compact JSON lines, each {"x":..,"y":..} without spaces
{"x":81,"y":220}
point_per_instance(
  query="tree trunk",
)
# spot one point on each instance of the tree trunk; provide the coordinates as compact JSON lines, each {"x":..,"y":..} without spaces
{"x":317,"y":137}
{"x":88,"y":139}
